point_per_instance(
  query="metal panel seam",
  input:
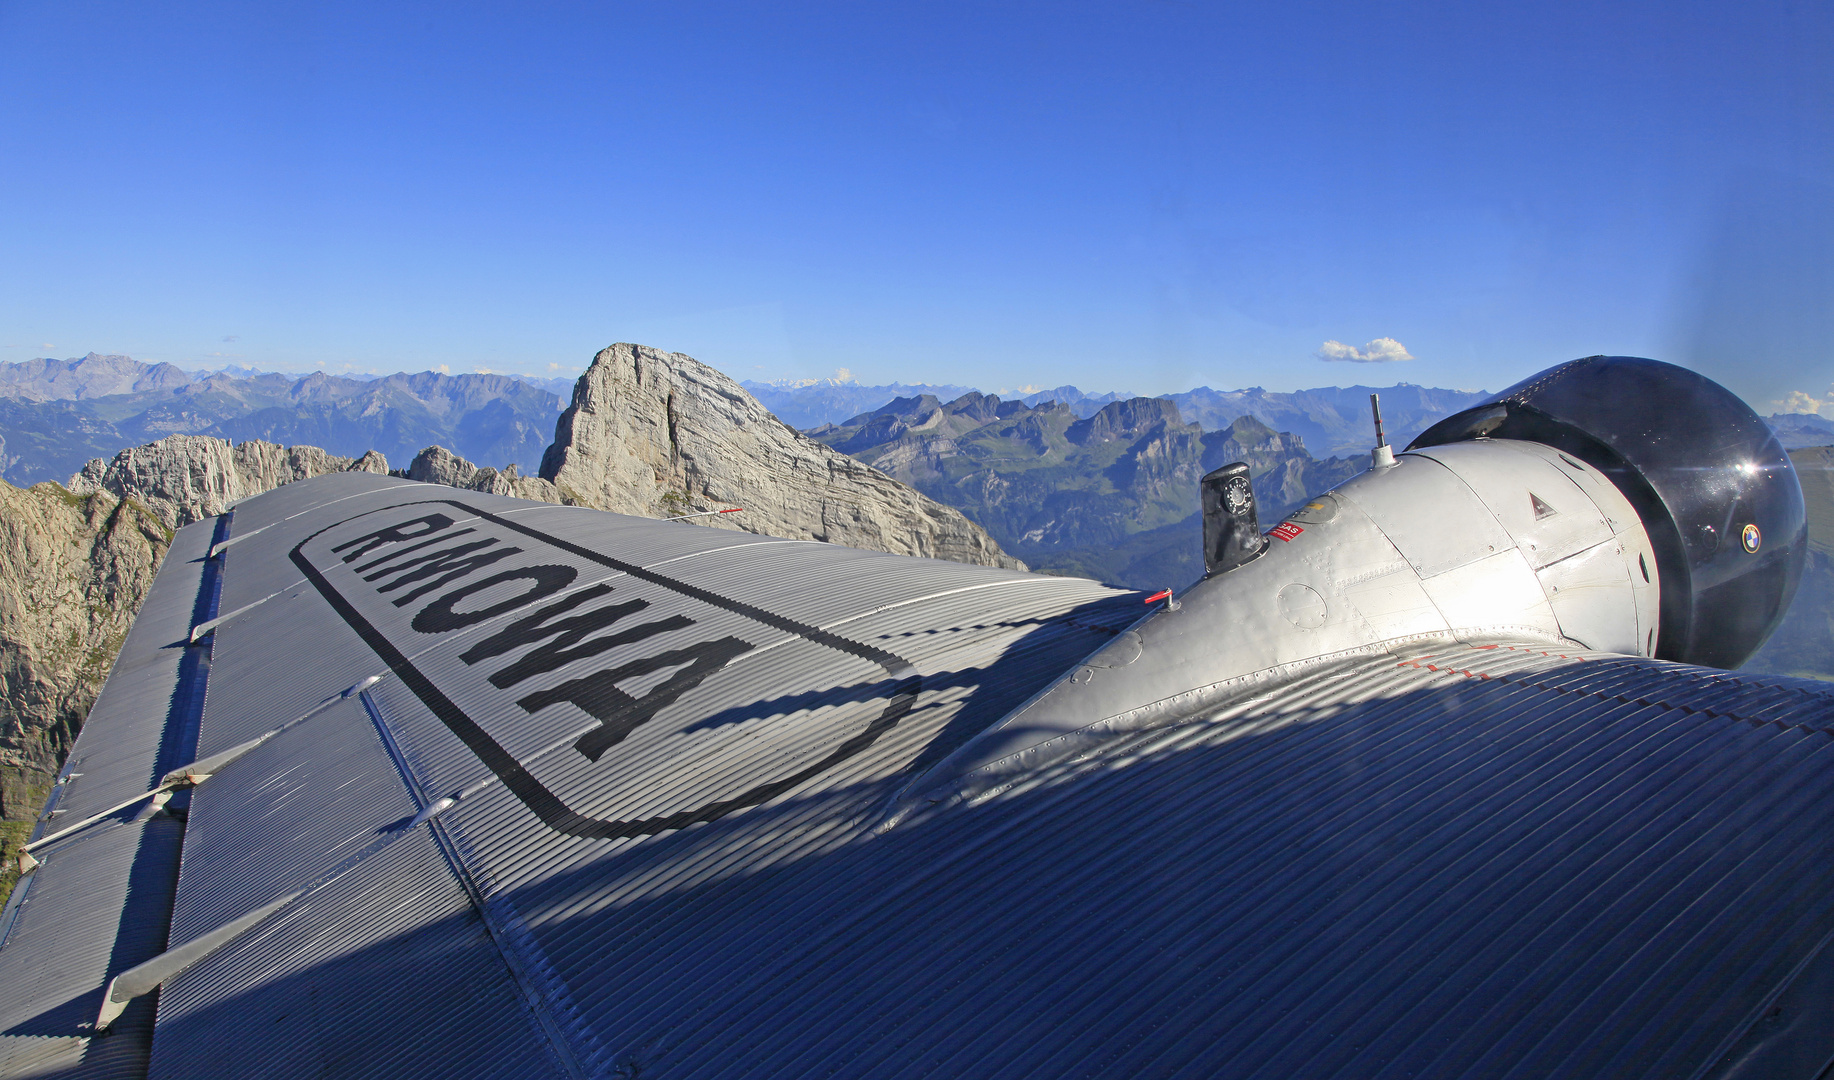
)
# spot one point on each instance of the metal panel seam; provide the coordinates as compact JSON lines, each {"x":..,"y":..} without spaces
{"x":493,"y":921}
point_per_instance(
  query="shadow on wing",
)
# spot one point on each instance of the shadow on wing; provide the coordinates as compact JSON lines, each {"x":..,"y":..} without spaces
{"x":1549,"y":876}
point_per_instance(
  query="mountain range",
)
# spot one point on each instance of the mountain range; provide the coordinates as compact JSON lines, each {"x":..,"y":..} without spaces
{"x":811,"y":403}
{"x":1111,"y":495}
{"x":55,"y":415}
{"x":1331,"y":419}
{"x":1799,"y":430}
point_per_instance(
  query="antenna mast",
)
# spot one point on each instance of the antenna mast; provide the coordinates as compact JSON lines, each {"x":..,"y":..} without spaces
{"x":1384,"y":455}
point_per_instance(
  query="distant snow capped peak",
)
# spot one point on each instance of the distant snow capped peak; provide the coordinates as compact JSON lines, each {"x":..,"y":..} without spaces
{"x":841,"y":377}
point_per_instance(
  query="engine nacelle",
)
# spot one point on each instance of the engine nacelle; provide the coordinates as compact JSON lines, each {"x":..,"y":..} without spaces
{"x":1713,"y":487}
{"x":1613,"y":504}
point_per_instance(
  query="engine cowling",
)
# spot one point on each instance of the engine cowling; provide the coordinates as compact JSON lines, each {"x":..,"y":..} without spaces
{"x":1714,"y":488}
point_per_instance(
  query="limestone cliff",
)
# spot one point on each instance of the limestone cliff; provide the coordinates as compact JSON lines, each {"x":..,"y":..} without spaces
{"x":186,"y":478}
{"x":73,"y":571}
{"x":438,"y":465}
{"x":656,"y":434}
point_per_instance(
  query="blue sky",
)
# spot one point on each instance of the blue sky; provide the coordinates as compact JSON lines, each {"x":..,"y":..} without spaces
{"x":1142,"y":196}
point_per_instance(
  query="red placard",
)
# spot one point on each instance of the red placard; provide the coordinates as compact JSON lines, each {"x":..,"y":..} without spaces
{"x":1286,"y":530}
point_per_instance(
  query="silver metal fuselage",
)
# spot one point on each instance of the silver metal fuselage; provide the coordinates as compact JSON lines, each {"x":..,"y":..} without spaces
{"x":1472,"y":540}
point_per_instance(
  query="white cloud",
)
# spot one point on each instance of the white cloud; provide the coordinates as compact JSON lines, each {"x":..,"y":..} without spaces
{"x":1382,"y":350}
{"x":444,"y":369}
{"x":1800,"y":402}
{"x":554,"y":367}
{"x":47,"y":345}
{"x":842,"y":375}
{"x":485,"y":371}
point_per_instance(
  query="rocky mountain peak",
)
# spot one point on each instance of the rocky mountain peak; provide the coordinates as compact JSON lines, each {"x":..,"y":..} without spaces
{"x":1126,"y":420}
{"x":655,"y":434}
{"x":85,"y":377}
{"x":976,"y":406}
{"x":438,"y":465}
{"x":186,"y":478}
{"x":1250,"y":433}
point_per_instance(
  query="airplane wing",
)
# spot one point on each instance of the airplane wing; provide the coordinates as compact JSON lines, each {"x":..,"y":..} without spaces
{"x":456,"y":785}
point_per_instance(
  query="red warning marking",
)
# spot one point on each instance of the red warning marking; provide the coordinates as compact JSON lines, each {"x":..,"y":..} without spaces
{"x":1158,"y":596}
{"x":1419,"y":664}
{"x":734,"y":510}
{"x":1286,"y":530}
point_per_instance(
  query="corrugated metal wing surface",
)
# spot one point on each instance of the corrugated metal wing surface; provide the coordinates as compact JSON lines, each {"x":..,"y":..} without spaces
{"x":1497,"y":863}
{"x":676,"y":748}
{"x":292,"y":810}
{"x":794,"y":697}
{"x":386,"y":967}
{"x":116,"y":751}
{"x":99,"y":901}
{"x":386,"y":973}
{"x":75,"y":932}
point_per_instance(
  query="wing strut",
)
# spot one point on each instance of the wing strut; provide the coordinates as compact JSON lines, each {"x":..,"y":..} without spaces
{"x":149,"y":976}
{"x":190,"y":775}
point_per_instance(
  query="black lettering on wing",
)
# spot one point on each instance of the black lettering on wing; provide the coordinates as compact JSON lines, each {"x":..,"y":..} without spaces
{"x":440,"y":616}
{"x":617,"y":712}
{"x":394,"y":534}
{"x":443,"y":567}
{"x":399,"y":552}
{"x":568,"y":635}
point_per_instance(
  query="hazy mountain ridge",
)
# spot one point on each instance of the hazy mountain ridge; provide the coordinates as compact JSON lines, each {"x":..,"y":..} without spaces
{"x":1799,"y":430}
{"x":828,"y":401}
{"x":1083,"y":405}
{"x":1333,"y":420}
{"x":1112,"y":495}
{"x":91,"y":376}
{"x":57,"y":415}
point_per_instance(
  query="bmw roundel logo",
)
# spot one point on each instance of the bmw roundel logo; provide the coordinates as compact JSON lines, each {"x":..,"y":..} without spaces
{"x":1752,"y":538}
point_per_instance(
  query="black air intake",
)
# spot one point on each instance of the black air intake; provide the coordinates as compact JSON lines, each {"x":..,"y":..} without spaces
{"x":1715,"y":490}
{"x":1232,"y":526}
